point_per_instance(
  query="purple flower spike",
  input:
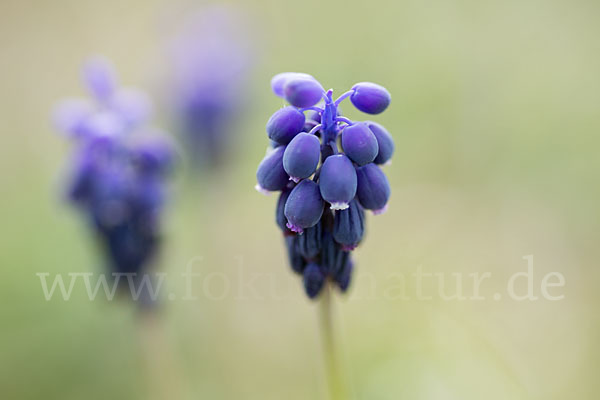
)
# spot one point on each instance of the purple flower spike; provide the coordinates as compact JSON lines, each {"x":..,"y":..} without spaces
{"x":304,"y":206}
{"x":314,"y":279}
{"x":337,"y":181}
{"x":270,"y":174}
{"x":373,"y":188}
{"x":284,"y":124}
{"x":359,"y":143}
{"x":370,"y":98}
{"x":320,"y":241}
{"x":99,"y":77}
{"x":384,"y":141}
{"x":119,"y":173}
{"x":303,"y":91}
{"x":279,"y":81}
{"x":301,"y":156}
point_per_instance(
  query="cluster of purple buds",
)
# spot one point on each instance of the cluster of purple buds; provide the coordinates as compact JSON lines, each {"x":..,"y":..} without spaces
{"x":327,"y":169}
{"x":119,"y":167}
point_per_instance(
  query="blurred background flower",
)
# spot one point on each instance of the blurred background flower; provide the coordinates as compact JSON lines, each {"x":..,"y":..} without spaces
{"x":210,"y":58}
{"x":117,"y":174}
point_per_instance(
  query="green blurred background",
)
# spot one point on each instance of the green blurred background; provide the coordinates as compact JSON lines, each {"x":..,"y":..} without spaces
{"x":496,"y":116}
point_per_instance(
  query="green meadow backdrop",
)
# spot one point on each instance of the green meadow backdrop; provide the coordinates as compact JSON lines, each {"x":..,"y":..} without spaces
{"x":496,"y":118}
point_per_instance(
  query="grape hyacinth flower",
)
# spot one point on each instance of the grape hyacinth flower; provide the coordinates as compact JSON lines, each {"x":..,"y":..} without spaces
{"x":325,"y":187}
{"x":119,"y":169}
{"x":211,"y":58}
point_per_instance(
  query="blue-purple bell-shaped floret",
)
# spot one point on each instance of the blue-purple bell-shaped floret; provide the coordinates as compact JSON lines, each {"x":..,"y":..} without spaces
{"x":345,"y":275}
{"x":370,"y":98}
{"x":304,"y":206}
{"x":385,"y":142}
{"x":301,"y":156}
{"x":373,"y":189}
{"x":337,"y":181}
{"x":359,"y":143}
{"x":302,"y":91}
{"x":349,"y":226}
{"x":296,"y":260}
{"x":333,"y":258}
{"x":309,"y":243}
{"x":280,"y":210}
{"x":314,"y":279}
{"x":284,"y":124}
{"x":279,"y":81}
{"x":270,"y":174}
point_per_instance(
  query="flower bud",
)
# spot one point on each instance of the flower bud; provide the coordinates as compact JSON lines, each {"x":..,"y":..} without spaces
{"x":344,"y":276}
{"x":337,"y":181}
{"x":99,"y":77}
{"x":70,"y":116}
{"x":279,"y":80}
{"x":370,"y":98}
{"x":359,"y":143}
{"x":333,"y":257}
{"x":309,"y":243}
{"x":303,"y":91}
{"x":385,"y":142}
{"x":301,"y":156}
{"x":314,"y":280}
{"x":373,"y":188}
{"x":348,"y":226}
{"x":295,"y":258}
{"x":270,"y":174}
{"x":284,"y":124}
{"x":304,"y":206}
{"x":279,"y":211}
{"x":132,"y":105}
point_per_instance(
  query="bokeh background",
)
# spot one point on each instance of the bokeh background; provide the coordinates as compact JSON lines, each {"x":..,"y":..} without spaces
{"x":496,"y":117}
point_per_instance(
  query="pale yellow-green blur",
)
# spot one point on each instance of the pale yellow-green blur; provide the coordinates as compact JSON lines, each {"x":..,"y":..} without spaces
{"x":496,"y":118}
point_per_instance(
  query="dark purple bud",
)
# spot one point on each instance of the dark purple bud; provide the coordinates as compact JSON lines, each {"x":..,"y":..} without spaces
{"x":370,"y":98}
{"x":279,"y":81}
{"x":348,"y":226}
{"x":359,"y":143}
{"x":333,"y":257}
{"x":301,"y":156}
{"x":303,"y":91}
{"x":284,"y":124}
{"x":99,"y":77}
{"x":304,"y":206}
{"x":384,"y":141}
{"x":270,"y":174}
{"x":314,"y":279}
{"x":279,"y":212}
{"x":337,"y":181}
{"x":373,"y":188}
{"x":345,"y":275}
{"x":309,"y":243}
{"x":296,"y":260}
